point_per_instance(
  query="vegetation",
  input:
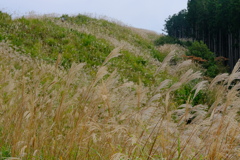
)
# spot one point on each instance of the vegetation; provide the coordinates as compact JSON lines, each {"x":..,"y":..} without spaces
{"x":43,"y":39}
{"x":216,"y":22}
{"x":108,"y":96}
{"x":171,"y":40}
{"x":199,"y":52}
{"x":177,"y":25}
{"x":49,"y":38}
{"x":166,"y":40}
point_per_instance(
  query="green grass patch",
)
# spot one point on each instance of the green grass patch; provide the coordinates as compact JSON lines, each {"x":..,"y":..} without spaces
{"x":44,"y":39}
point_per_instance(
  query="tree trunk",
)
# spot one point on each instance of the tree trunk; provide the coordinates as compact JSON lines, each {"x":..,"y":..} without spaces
{"x":220,"y":43}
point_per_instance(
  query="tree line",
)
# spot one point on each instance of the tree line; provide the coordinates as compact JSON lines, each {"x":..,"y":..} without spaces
{"x":215,"y":22}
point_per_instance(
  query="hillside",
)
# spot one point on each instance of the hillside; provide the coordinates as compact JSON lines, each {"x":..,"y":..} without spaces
{"x":82,"y":39}
{"x":88,"y":88}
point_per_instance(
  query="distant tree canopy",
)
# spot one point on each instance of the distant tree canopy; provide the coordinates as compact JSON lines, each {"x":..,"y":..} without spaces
{"x":177,"y":25}
{"x":215,"y":22}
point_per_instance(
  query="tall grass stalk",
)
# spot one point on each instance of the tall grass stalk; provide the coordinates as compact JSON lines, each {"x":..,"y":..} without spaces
{"x":48,"y":112}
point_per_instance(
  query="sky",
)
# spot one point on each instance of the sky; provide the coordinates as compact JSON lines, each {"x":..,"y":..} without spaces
{"x":145,"y":14}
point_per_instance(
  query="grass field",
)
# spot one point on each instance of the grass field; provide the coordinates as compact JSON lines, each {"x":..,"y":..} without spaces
{"x":92,"y":89}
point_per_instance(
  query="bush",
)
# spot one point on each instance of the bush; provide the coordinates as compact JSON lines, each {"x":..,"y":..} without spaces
{"x":199,"y":50}
{"x":166,"y":40}
{"x":171,"y":40}
{"x":186,"y":43}
{"x":4,"y":17}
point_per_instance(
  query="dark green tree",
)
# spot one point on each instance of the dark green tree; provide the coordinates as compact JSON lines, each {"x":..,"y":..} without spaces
{"x":177,"y":25}
{"x":215,"y":22}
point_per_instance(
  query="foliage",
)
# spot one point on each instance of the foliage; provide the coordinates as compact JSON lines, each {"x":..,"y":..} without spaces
{"x":171,"y":40}
{"x":216,"y":22}
{"x":58,"y":102}
{"x":118,"y":32}
{"x":177,"y":25}
{"x":166,"y":40}
{"x":66,"y":113}
{"x":200,"y":50}
{"x":45,"y":39}
{"x":5,"y":19}
{"x":134,"y":67}
{"x":185,"y":95}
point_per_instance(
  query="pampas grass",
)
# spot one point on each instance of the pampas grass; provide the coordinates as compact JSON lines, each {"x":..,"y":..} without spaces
{"x":48,"y":112}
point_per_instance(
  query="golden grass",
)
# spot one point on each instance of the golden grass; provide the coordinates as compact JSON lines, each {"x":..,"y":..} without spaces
{"x":48,"y":112}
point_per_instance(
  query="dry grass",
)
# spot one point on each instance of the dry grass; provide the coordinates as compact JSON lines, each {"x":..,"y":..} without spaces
{"x":146,"y":34}
{"x":48,"y":112}
{"x":166,"y":48}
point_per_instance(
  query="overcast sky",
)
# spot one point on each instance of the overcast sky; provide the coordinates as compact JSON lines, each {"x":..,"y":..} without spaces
{"x":146,"y":14}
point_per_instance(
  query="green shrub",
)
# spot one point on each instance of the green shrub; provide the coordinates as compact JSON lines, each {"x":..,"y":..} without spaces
{"x":200,"y":50}
{"x":186,"y":43}
{"x":186,"y":92}
{"x":166,"y":40}
{"x":4,"y":18}
{"x":171,"y":40}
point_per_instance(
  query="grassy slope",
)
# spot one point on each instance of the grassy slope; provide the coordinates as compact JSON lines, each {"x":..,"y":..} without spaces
{"x":83,"y":39}
{"x":52,"y":108}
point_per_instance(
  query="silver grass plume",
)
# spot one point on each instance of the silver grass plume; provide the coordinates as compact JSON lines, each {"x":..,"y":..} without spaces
{"x":200,"y":86}
{"x":102,"y":71}
{"x":217,"y":79}
{"x":118,"y":156}
{"x":185,"y":78}
{"x":184,"y":64}
{"x":166,"y":61}
{"x":163,"y":84}
{"x":189,"y":76}
{"x":113,"y":54}
{"x":236,"y":67}
{"x":157,"y":95}
{"x":235,"y":73}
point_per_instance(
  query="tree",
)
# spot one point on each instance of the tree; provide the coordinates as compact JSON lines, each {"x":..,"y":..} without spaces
{"x":177,"y":25}
{"x":215,"y":22}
